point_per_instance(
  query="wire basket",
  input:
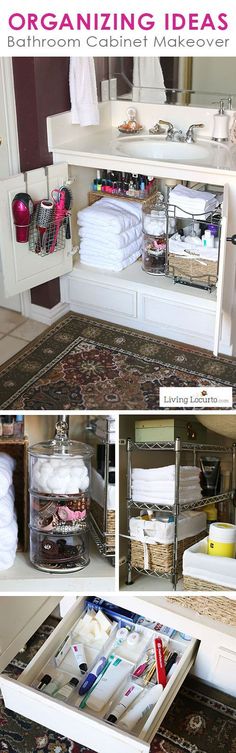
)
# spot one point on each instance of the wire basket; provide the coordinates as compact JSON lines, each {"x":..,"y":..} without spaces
{"x":49,"y":240}
{"x":196,"y":271}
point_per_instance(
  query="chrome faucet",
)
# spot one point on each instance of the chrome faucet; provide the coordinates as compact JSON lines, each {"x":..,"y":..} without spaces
{"x":172,"y":133}
{"x":189,"y":138}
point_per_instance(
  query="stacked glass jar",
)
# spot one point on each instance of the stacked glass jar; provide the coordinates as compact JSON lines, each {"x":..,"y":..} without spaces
{"x":154,"y":236}
{"x":60,"y":472}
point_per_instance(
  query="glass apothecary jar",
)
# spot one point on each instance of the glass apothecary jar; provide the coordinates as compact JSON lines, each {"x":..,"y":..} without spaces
{"x":154,"y":221}
{"x":60,"y":473}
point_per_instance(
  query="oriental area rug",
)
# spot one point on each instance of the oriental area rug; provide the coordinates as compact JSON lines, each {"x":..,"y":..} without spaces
{"x":200,"y":720}
{"x":85,"y":363}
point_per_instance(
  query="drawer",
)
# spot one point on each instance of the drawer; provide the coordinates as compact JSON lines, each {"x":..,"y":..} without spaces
{"x":80,"y":725}
{"x":20,"y":617}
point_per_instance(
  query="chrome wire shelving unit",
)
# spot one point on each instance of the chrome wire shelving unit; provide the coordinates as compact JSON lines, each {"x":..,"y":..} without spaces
{"x":177,"y":447}
{"x":101,"y":523}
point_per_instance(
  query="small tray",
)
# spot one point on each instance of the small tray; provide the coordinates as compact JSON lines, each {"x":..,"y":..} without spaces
{"x":129,"y":131}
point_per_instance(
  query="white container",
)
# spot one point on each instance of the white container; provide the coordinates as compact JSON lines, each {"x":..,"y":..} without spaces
{"x":222,"y":540}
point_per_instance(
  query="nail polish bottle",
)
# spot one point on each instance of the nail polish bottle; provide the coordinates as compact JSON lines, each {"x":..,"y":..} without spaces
{"x":99,"y":182}
{"x":46,"y":679}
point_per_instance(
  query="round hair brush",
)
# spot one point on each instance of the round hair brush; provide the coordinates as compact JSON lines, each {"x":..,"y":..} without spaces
{"x":43,"y":221}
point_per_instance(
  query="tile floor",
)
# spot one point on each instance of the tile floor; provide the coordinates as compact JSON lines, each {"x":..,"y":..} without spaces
{"x":15,"y":332}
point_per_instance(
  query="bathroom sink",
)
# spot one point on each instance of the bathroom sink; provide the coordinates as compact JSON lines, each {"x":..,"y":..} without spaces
{"x":153,"y":147}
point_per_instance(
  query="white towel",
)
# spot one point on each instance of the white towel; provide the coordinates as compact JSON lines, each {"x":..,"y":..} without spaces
{"x":7,"y":465}
{"x":188,"y":201}
{"x":185,"y":498}
{"x":7,"y":559}
{"x":7,"y":508}
{"x":118,"y":255}
{"x":167,"y":472}
{"x":83,"y":91}
{"x":148,"y":80}
{"x":110,"y":213}
{"x":164,"y":485}
{"x":108,"y":239}
{"x":111,"y":266}
{"x":9,"y":536}
{"x":192,"y":490}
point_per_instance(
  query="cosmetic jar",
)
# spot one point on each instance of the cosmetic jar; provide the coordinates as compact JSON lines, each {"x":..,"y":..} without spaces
{"x":59,"y":480}
{"x":154,"y":237}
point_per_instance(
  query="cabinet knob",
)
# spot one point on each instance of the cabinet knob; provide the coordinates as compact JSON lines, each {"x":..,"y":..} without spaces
{"x":0,"y":140}
{"x":232,"y":239}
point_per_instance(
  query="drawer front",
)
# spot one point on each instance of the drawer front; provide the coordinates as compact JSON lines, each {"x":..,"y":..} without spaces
{"x":104,"y":297}
{"x":20,"y":617}
{"x":76,"y":724}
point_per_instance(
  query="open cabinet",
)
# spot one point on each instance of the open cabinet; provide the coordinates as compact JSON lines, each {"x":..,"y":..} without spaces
{"x":131,"y":297}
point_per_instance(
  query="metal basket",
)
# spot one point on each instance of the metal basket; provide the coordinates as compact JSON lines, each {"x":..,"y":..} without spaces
{"x":44,"y":244}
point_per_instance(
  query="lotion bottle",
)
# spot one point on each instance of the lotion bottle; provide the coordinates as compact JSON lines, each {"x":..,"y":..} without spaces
{"x":221,"y":124}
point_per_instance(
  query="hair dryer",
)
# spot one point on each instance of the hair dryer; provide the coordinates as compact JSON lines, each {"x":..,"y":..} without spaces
{"x":22,"y":210}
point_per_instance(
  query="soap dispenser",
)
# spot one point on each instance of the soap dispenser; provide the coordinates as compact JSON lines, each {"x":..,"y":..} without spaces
{"x":221,"y":124}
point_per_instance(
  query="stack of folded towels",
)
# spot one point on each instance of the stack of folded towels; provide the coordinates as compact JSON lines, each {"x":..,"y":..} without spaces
{"x":110,"y":233}
{"x":188,"y":201}
{"x":157,"y":485}
{"x":8,"y":524}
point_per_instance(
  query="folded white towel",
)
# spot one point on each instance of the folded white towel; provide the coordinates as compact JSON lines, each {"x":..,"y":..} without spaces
{"x":162,"y":500}
{"x":164,"y":485}
{"x":108,"y":239}
{"x":167,"y":472}
{"x":111,"y":266}
{"x":9,"y":535}
{"x":117,"y":255}
{"x":7,"y":465}
{"x":132,"y":207}
{"x":165,"y":492}
{"x":180,"y":193}
{"x":110,"y":213}
{"x":7,"y":508}
{"x":7,"y":559}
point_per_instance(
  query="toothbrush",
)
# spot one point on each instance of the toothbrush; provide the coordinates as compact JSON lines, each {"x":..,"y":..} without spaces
{"x":92,"y":676}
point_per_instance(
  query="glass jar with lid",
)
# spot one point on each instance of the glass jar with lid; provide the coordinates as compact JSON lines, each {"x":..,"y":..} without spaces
{"x":154,"y":222}
{"x":60,"y":473}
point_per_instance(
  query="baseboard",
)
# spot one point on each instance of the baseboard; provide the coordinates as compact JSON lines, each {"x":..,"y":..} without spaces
{"x":48,"y":316}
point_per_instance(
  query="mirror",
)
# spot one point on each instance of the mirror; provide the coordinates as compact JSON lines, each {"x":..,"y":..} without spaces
{"x":179,"y":81}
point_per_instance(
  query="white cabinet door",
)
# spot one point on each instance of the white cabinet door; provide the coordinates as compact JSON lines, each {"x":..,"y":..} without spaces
{"x":20,"y":617}
{"x":23,"y":269}
{"x":221,"y":271}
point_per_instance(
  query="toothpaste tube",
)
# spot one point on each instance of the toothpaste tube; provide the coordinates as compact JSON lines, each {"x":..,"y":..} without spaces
{"x":160,"y":662}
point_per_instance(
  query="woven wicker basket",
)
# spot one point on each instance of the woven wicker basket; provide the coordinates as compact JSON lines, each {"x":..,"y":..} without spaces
{"x":193,"y":269}
{"x":160,"y":556}
{"x":195,"y":584}
{"x":95,"y":196}
{"x":216,"y":607}
{"x":97,"y":512}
